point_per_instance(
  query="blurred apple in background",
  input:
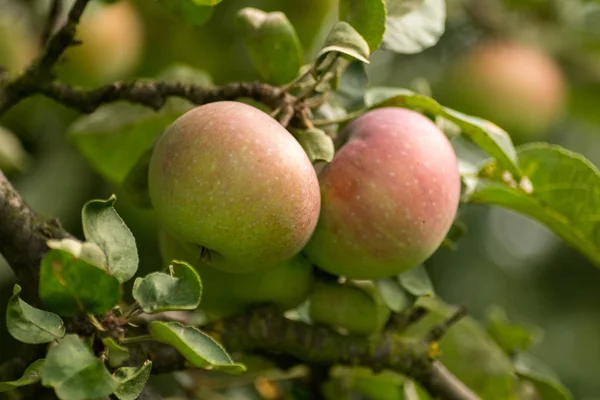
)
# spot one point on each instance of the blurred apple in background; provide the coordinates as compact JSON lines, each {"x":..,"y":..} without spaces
{"x":112,"y":37}
{"x":517,"y":86}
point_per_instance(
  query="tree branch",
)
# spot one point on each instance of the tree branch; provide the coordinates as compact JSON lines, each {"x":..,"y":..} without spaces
{"x":40,"y":71}
{"x":155,"y":94}
{"x":23,"y":236}
{"x":268,"y":332}
{"x":53,"y":15}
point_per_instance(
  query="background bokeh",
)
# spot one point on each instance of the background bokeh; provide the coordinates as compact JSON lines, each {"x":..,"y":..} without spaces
{"x":504,"y":259}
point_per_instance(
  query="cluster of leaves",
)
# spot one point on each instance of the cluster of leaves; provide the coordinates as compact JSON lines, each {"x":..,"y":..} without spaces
{"x":86,"y":278}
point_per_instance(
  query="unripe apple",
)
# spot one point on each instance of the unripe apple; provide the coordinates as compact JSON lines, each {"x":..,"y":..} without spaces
{"x":517,"y":87}
{"x":389,"y":196}
{"x":112,"y":44}
{"x":285,"y":285}
{"x":347,"y":306}
{"x":231,"y":180}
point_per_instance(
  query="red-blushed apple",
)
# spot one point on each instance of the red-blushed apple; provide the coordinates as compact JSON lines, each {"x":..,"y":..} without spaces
{"x":518,"y":87}
{"x":231,"y":180}
{"x":286,"y":285}
{"x":389,"y":196}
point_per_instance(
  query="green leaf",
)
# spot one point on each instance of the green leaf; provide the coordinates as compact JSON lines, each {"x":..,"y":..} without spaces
{"x":196,"y":12}
{"x":135,"y":184}
{"x":412,"y":391}
{"x":543,"y":378}
{"x":344,"y":39}
{"x":75,"y":373}
{"x":115,"y":136}
{"x":560,"y":189}
{"x":394,"y":296}
{"x":69,"y":286}
{"x":468,"y":352}
{"x":12,"y":155}
{"x":199,"y":349}
{"x":511,"y":337}
{"x":352,"y":86}
{"x":132,"y":381}
{"x":316,"y":143}
{"x":367,"y":17}
{"x":32,"y":374}
{"x":272,"y":43}
{"x":414,"y":25}
{"x":103,"y":226}
{"x":180,"y":290}
{"x":87,"y":251}
{"x":117,"y":354}
{"x":416,"y":282}
{"x":485,"y":134}
{"x":30,"y":325}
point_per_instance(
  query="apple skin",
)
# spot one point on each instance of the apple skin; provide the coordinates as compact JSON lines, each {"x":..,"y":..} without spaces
{"x":388,"y":197}
{"x":230,"y":179}
{"x":518,"y":87}
{"x":112,"y":37}
{"x":285,"y":285}
{"x":348,"y":307}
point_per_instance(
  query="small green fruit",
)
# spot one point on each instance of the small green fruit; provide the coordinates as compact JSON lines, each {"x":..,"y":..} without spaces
{"x":285,"y":285}
{"x":347,"y":306}
{"x":229,"y":179}
{"x":388,"y":197}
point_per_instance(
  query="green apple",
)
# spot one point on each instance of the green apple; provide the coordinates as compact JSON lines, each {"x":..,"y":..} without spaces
{"x":389,"y":196}
{"x":230,"y":180}
{"x":285,"y":285}
{"x":355,"y":309}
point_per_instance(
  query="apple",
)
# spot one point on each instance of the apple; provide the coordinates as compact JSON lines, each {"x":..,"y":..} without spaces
{"x":518,"y":87}
{"x":347,"y":306}
{"x":388,"y":197}
{"x":229,"y":179}
{"x":112,"y":44}
{"x":18,"y":44}
{"x":285,"y":285}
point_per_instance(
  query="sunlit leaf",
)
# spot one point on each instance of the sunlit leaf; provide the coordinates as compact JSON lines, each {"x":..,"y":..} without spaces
{"x":344,"y":39}
{"x":368,"y":17}
{"x":414,"y":25}
{"x":103,"y":226}
{"x":559,"y":188}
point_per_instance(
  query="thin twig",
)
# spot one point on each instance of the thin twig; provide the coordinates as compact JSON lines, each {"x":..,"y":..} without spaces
{"x":53,"y":15}
{"x":438,"y":331}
